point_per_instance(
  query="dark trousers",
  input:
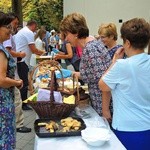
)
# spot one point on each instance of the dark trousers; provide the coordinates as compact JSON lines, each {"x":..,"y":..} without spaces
{"x":134,"y":140}
{"x":23,"y":70}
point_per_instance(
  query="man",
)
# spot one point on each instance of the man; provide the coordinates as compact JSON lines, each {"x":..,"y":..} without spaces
{"x":24,"y":40}
{"x":10,"y":46}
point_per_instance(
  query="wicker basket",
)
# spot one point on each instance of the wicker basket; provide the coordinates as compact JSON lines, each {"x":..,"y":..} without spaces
{"x":84,"y":99}
{"x":52,"y":109}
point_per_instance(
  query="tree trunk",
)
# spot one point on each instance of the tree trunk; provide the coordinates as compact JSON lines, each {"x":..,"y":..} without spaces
{"x":17,"y":9}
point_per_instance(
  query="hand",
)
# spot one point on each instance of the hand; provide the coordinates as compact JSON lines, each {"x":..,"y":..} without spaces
{"x":107,"y":115}
{"x":73,"y":73}
{"x":43,"y":44}
{"x":118,"y":54}
{"x":41,"y":52}
{"x":20,"y":84}
{"x":57,"y":57}
{"x":22,"y":54}
{"x":76,"y":74}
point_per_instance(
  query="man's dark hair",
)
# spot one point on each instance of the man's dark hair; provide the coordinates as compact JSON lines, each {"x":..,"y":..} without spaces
{"x":137,"y":31}
{"x":31,"y":22}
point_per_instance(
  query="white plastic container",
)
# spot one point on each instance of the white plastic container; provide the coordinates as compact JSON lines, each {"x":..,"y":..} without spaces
{"x":96,"y":136}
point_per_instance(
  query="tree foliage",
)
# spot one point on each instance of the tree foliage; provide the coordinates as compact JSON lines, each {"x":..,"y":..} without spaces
{"x":5,"y":6}
{"x":45,"y":12}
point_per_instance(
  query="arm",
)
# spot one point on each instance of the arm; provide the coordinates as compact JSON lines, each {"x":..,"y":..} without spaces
{"x":106,"y":94}
{"x":106,"y":97}
{"x":62,"y":55}
{"x":6,"y":82}
{"x":36,"y":51}
{"x":102,"y":85}
{"x":16,"y":54}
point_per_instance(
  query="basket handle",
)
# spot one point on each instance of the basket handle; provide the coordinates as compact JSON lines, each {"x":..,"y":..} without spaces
{"x":75,"y":78}
{"x":52,"y":84}
{"x":61,"y":75}
{"x":52,"y":63}
{"x":52,"y":99}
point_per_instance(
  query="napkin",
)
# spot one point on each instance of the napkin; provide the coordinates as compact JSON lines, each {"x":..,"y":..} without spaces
{"x":66,"y":73}
{"x":55,"y":50}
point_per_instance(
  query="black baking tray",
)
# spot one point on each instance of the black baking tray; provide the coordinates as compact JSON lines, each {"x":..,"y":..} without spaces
{"x":43,"y":133}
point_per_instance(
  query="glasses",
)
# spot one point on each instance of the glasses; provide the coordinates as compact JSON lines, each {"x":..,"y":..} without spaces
{"x":8,"y":26}
{"x":103,"y":37}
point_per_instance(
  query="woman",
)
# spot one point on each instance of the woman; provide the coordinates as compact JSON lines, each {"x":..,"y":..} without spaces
{"x":128,"y":81}
{"x":7,"y":84}
{"x":39,"y":36}
{"x":95,"y":58}
{"x":68,"y":53}
{"x":108,"y":35}
{"x":39,"y":44}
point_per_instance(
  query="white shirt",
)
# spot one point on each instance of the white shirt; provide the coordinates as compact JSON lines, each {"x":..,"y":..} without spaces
{"x":53,"y":41}
{"x":129,"y":80}
{"x":39,"y":44}
{"x":23,"y":39}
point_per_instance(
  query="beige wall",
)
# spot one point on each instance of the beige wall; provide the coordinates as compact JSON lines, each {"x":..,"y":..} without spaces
{"x":104,"y":11}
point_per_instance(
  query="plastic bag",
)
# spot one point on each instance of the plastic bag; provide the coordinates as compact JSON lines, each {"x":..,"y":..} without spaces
{"x":44,"y":95}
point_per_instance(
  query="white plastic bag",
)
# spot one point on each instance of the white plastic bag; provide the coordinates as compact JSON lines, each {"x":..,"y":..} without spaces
{"x":44,"y":95}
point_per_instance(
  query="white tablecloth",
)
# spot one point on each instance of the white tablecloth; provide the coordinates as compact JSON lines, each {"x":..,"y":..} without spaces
{"x":76,"y":142}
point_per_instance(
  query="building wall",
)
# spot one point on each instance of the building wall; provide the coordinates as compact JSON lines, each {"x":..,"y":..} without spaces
{"x":100,"y":11}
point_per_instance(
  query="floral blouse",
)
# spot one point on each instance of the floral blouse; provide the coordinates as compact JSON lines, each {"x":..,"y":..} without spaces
{"x":95,"y":61}
{"x":113,"y":50}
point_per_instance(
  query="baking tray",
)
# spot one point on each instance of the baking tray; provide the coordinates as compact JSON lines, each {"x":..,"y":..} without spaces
{"x":43,"y":133}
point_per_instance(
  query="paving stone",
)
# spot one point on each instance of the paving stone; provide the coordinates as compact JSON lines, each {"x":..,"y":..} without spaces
{"x":25,"y":141}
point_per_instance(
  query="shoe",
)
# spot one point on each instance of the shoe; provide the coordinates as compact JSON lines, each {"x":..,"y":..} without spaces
{"x":25,"y":107}
{"x":23,"y":129}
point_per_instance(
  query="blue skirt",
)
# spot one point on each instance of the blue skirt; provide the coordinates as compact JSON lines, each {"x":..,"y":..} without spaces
{"x":134,"y":140}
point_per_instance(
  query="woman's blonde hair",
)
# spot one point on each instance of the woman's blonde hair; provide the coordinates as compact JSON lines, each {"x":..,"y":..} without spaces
{"x":108,"y":30}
